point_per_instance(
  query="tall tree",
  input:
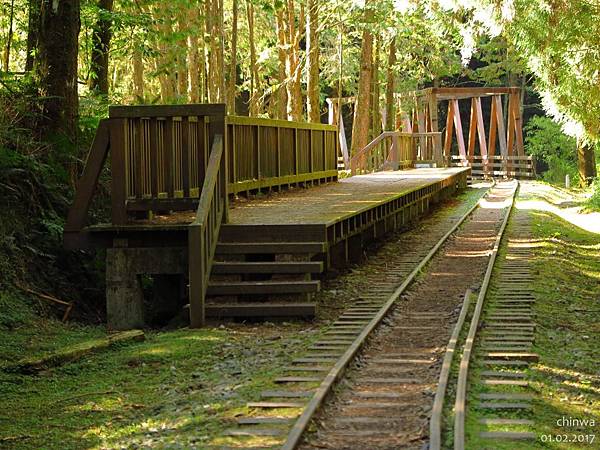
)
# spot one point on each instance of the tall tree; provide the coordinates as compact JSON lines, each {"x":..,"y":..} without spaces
{"x":11,"y":17}
{"x":390,"y":121}
{"x":231,"y":82}
{"x":289,"y":40}
{"x":33,"y":30}
{"x":101,"y":35}
{"x":57,"y":65}
{"x":313,"y":110}
{"x":255,"y":108}
{"x":360,"y":126}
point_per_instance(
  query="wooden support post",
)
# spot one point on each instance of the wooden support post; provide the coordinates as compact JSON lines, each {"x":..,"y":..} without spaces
{"x":449,"y":127}
{"x":500,"y":124}
{"x":518,"y":122}
{"x":117,"y":164}
{"x":493,"y":129}
{"x":472,"y":131}
{"x":459,"y":131}
{"x":433,"y":113}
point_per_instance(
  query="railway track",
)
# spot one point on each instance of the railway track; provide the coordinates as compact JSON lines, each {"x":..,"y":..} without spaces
{"x":390,"y":348}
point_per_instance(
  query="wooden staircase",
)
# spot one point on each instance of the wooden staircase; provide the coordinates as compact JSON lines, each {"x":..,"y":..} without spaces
{"x":264,"y":271}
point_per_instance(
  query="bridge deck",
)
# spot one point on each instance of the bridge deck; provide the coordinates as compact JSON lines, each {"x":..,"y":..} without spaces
{"x":332,"y":202}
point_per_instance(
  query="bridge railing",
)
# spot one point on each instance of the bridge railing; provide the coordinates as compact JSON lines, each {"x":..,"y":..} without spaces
{"x":266,"y":152}
{"x":498,"y":166}
{"x":398,"y":150}
{"x":159,"y":157}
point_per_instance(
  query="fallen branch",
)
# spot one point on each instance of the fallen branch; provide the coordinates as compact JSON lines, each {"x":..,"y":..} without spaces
{"x":62,"y":356}
{"x":50,"y":298}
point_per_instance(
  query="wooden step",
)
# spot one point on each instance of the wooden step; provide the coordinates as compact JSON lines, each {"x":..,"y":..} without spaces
{"x":260,"y":309}
{"x":270,"y":267}
{"x":243,"y":248}
{"x":262,"y":287}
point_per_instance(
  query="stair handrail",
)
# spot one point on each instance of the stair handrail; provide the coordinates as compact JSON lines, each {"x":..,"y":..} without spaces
{"x":203,"y":232}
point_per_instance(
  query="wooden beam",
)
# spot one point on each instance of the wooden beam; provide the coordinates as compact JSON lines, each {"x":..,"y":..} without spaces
{"x":472,"y":130}
{"x":510,"y":128}
{"x":493,"y":129}
{"x":89,"y":179}
{"x":500,"y":123}
{"x":449,"y":126}
{"x":518,"y":122}
{"x":459,"y":131}
{"x":480,"y":127}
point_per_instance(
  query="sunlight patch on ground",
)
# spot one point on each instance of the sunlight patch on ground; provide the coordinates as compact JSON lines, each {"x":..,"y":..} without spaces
{"x":588,"y":222}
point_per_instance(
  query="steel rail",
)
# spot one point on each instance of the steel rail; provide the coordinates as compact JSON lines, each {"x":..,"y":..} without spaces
{"x":461,"y":387}
{"x":295,"y":435}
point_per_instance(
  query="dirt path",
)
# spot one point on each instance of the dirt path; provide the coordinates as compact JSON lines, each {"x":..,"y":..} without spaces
{"x":385,"y":400}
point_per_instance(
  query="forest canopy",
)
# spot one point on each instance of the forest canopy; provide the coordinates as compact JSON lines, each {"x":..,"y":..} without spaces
{"x":283,"y":58}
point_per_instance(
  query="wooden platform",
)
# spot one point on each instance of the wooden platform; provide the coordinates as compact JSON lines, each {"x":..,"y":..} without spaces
{"x":333,"y":202}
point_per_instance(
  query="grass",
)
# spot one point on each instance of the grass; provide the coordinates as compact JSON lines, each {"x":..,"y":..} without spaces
{"x":178,"y":389}
{"x":566,"y":380}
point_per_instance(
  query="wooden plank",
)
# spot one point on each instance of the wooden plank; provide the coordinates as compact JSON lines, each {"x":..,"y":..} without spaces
{"x":232,"y":267}
{"x":230,"y":248}
{"x":86,"y":185}
{"x":263,"y":309}
{"x":262,"y":287}
{"x":117,"y":166}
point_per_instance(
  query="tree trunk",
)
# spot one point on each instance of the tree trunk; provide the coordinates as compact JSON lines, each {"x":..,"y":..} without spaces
{"x":33,"y":29}
{"x":57,"y":65}
{"x":231,"y":82}
{"x":182,"y":56}
{"x":390,"y":87}
{"x":9,"y":37}
{"x":312,"y":48}
{"x":586,"y":162}
{"x":254,"y":80}
{"x":281,"y":53}
{"x":101,"y":35}
{"x":138,"y":75}
{"x":375,"y":108}
{"x":360,"y":126}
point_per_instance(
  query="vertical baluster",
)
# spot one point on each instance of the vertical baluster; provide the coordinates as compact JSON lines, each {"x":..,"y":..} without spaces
{"x":185,"y":162}
{"x":153,"y":138}
{"x":168,"y":155}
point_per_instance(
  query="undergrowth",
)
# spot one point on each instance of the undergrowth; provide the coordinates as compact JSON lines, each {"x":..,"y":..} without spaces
{"x":37,"y":179}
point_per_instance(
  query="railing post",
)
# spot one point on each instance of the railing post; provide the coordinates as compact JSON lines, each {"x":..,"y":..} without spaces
{"x":117,"y":167}
{"x":395,"y":152}
{"x":196,"y":275}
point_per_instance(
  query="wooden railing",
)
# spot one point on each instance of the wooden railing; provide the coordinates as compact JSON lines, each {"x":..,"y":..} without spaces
{"x":498,"y":166}
{"x":203,"y":233}
{"x":159,"y":156}
{"x":395,"y":150}
{"x":265,"y":152}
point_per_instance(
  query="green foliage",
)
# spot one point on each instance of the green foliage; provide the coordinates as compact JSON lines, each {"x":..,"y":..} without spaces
{"x":594,"y":201}
{"x":546,"y":141}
